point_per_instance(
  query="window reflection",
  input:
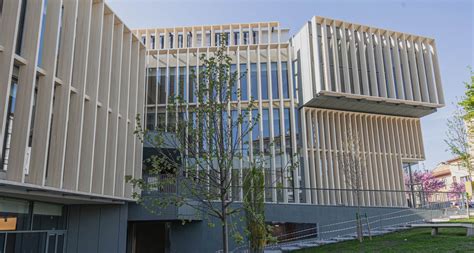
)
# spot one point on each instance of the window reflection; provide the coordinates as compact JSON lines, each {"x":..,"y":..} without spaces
{"x":254,"y":81}
{"x":264,"y":80}
{"x":243,"y":82}
{"x":275,"y":92}
{"x":151,"y":92}
{"x":162,"y":86}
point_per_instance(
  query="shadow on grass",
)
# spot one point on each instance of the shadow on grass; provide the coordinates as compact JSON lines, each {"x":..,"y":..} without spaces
{"x":413,"y":240}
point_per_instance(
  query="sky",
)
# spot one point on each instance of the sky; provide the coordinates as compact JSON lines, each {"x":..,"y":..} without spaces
{"x":449,"y":22}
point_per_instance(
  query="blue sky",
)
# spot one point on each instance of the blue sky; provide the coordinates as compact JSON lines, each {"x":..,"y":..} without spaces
{"x":449,"y":22}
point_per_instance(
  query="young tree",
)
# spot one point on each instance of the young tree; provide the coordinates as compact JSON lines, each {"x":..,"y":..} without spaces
{"x":351,"y":163}
{"x":197,"y":152}
{"x":457,"y":139}
{"x":254,"y":205}
{"x":200,"y":145}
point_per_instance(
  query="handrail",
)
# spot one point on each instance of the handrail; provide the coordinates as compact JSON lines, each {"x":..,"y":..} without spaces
{"x":31,"y":231}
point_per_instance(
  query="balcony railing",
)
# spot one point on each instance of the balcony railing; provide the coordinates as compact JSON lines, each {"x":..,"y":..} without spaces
{"x":325,"y":196}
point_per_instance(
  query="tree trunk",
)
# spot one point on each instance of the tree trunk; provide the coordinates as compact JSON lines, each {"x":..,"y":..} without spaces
{"x":360,"y":232}
{"x":225,"y":233}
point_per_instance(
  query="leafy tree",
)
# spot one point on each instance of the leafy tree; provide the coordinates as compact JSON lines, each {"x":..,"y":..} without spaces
{"x":467,"y":103}
{"x":197,"y":152}
{"x":258,"y":233}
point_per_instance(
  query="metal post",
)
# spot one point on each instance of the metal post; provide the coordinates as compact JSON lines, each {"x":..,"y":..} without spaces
{"x":368,"y":226}
{"x":411,"y":186}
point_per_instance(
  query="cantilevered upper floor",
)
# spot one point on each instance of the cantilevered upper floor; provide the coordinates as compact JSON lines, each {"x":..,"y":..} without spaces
{"x":210,"y":35}
{"x":348,"y":66}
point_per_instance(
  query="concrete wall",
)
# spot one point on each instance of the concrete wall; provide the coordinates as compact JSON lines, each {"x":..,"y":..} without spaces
{"x":97,"y":228}
{"x":198,"y":236}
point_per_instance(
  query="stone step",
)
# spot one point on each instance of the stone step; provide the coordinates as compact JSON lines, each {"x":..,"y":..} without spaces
{"x":380,"y":232}
{"x":327,"y":241}
{"x":289,"y":248}
{"x":391,"y":229}
{"x":307,"y":245}
{"x":272,"y":251}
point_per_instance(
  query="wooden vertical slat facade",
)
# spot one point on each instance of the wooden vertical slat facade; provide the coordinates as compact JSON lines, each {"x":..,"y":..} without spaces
{"x":374,"y":69}
{"x":68,"y":92}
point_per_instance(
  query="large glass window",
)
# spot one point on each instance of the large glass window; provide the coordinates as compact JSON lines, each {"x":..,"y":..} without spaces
{"x":254,"y":81}
{"x":182,"y":83}
{"x":162,"y":86}
{"x":47,"y":216}
{"x":21,"y":25}
{"x":255,"y":132}
{"x":245,"y":135}
{"x":255,"y":37}
{"x":31,"y":226}
{"x":162,"y":41}
{"x":266,"y":124}
{"x":284,"y":81}
{"x":14,"y":214}
{"x":41,"y":40}
{"x":180,"y":40}
{"x":264,"y":80}
{"x":243,"y":82}
{"x":227,"y":38}
{"x":266,"y":133}
{"x":276,"y":130}
{"x":150,"y":119}
{"x":172,"y":122}
{"x":172,"y":82}
{"x":151,"y":93}
{"x":233,"y":69}
{"x":287,"y":128}
{"x":192,"y":84}
{"x":208,"y":38}
{"x":1,"y":8}
{"x":217,"y":39}
{"x":236,"y":38}
{"x":171,"y":37}
{"x":152,"y":37}
{"x":246,"y":38}
{"x":161,"y":121}
{"x":275,"y":85}
{"x":235,"y":132}
{"x":189,"y":40}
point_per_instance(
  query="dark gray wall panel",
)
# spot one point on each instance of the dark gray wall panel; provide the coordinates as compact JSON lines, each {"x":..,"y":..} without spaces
{"x":97,"y":228}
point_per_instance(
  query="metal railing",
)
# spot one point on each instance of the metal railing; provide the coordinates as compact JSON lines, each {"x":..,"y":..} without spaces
{"x":33,"y":241}
{"x":322,"y":196}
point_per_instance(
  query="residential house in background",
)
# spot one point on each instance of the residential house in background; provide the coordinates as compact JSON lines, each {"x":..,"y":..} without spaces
{"x":450,"y":171}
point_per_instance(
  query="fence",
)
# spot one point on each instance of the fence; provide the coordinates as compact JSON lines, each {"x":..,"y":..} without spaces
{"x":169,"y":184}
{"x":49,"y":241}
{"x":371,"y":225}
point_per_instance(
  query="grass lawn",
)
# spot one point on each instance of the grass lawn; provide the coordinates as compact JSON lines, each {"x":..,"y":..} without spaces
{"x":413,"y":240}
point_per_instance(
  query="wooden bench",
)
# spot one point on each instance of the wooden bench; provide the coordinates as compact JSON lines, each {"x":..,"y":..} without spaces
{"x":434,"y":227}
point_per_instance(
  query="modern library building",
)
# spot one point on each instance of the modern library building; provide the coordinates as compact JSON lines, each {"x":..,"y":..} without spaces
{"x":73,"y":77}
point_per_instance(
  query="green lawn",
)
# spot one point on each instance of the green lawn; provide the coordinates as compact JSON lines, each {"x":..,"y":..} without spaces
{"x":413,"y":240}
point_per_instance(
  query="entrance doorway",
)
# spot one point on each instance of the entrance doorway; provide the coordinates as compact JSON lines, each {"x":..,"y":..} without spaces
{"x":149,"y":237}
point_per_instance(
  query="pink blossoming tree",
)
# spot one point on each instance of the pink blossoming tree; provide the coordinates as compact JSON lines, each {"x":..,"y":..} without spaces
{"x":425,"y":181}
{"x":456,"y":189}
